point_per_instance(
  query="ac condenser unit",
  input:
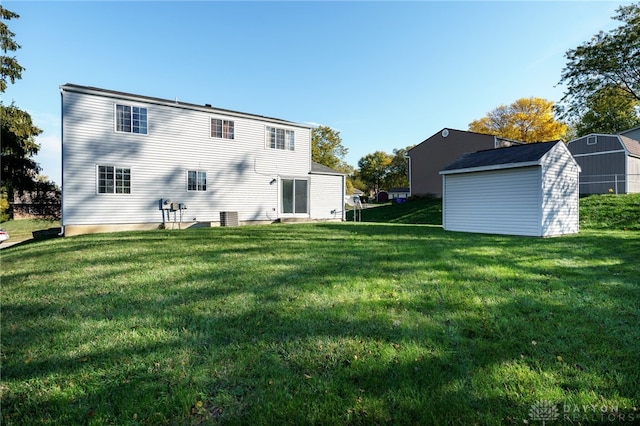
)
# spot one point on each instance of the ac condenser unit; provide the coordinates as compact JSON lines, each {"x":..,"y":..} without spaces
{"x":229,"y":219}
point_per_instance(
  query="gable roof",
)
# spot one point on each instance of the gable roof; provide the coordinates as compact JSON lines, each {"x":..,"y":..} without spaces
{"x":501,"y":158}
{"x":173,"y":103}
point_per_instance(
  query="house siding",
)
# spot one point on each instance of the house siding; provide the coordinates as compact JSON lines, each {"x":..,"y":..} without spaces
{"x":493,"y":202}
{"x":327,"y":197}
{"x":560,"y":196}
{"x":430,"y":156}
{"x":239,"y":171}
{"x":633,"y":174}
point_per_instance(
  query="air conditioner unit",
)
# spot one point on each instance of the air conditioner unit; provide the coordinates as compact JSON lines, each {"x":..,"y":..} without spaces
{"x":229,"y":219}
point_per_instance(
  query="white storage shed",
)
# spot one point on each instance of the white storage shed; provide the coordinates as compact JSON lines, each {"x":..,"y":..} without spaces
{"x":527,"y":190}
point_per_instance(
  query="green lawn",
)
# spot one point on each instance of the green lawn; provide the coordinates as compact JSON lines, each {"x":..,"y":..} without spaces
{"x":342,"y":323}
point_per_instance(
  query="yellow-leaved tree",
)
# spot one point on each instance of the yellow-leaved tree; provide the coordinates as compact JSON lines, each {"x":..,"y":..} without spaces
{"x":526,"y":120}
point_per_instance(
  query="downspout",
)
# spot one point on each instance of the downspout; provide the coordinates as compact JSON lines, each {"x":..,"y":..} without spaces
{"x":61,"y":234}
{"x":408,"y":157}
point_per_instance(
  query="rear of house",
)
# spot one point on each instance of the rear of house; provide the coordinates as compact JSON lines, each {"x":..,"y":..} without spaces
{"x":138,"y":162}
{"x":529,"y":190}
{"x":609,"y":163}
{"x":429,"y":157}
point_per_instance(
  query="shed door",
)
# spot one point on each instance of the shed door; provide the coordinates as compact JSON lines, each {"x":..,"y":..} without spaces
{"x":494,"y":202}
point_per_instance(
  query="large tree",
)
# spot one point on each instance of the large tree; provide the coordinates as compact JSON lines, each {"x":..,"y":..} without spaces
{"x":10,"y":69}
{"x":398,"y":171}
{"x":19,"y":171}
{"x":374,"y":168}
{"x":609,"y":59}
{"x":526,"y":120}
{"x":327,"y":148}
{"x":608,"y":111}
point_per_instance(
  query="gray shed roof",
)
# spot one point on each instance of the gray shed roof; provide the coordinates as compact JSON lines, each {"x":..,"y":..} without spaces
{"x":528,"y":153}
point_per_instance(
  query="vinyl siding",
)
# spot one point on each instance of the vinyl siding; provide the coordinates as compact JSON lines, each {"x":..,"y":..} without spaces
{"x":559,"y":193}
{"x":633,"y":175}
{"x":327,"y":197}
{"x":239,"y":171}
{"x":601,"y":172}
{"x":495,"y":202}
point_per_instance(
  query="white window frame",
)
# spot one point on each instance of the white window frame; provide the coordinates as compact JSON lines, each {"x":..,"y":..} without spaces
{"x":280,"y":138}
{"x":114,"y":185}
{"x":131,"y":120}
{"x":592,"y":140}
{"x":230,"y":135}
{"x":198,"y":184}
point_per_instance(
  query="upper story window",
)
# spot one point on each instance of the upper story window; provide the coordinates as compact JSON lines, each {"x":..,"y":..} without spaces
{"x":114,"y":180}
{"x":196,"y":180}
{"x":131,"y":119}
{"x":281,"y":138}
{"x":592,"y":140}
{"x":222,"y":128}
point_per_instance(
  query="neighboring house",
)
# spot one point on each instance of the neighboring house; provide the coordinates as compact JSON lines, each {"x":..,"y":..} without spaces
{"x":527,"y":189}
{"x":138,"y":162}
{"x":430,"y":156}
{"x":609,"y":163}
{"x":398,"y":193}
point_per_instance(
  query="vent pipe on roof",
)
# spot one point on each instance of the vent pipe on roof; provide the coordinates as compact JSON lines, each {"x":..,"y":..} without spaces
{"x":207,"y":105}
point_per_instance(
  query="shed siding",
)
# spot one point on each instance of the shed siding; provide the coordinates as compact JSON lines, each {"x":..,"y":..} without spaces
{"x":496,"y":202}
{"x":602,"y":172}
{"x":633,"y":174}
{"x":603,"y":143}
{"x":560,"y":195}
{"x":239,"y":171}
{"x":327,"y":197}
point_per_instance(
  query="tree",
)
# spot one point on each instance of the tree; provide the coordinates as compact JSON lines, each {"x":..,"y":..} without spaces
{"x":526,"y":120}
{"x":327,"y":148}
{"x":19,"y":171}
{"x":608,"y":111}
{"x":398,"y":172}
{"x":374,"y":169}
{"x":608,"y":59}
{"x":9,"y":66}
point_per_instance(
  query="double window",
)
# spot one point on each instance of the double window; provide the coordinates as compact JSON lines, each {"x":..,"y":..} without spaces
{"x":294,"y":196}
{"x":280,"y":138}
{"x":131,"y":119}
{"x":114,"y":180}
{"x":196,"y":180}
{"x":222,"y":128}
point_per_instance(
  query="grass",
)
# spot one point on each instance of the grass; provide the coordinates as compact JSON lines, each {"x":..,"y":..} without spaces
{"x":21,"y":230}
{"x":344,"y":323}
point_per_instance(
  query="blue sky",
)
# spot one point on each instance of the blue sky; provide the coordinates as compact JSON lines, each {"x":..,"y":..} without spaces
{"x":384,"y":74}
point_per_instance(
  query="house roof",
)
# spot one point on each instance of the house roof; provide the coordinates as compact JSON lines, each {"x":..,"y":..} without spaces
{"x":321,"y":169}
{"x":168,"y":102}
{"x":513,"y":156}
{"x":632,"y":145}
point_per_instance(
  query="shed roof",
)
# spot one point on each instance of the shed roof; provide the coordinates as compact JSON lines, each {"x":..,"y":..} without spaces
{"x":632,"y":145}
{"x":321,"y":169}
{"x":512,"y":156}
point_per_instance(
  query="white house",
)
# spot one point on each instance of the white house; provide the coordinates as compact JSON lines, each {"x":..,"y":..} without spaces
{"x":138,"y":162}
{"x":527,"y":189}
